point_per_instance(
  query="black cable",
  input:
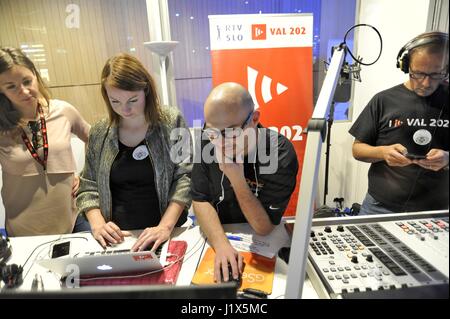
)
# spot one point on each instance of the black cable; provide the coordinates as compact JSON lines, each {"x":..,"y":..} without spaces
{"x":411,"y":191}
{"x":350,"y":52}
{"x":201,"y":253}
{"x":327,"y":152}
{"x":421,"y":170}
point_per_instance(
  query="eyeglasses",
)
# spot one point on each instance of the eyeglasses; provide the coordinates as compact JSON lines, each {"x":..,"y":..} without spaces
{"x":228,"y":132}
{"x":433,"y":76}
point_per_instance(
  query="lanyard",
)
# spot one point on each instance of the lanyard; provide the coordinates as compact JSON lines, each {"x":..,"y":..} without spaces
{"x":30,"y":147}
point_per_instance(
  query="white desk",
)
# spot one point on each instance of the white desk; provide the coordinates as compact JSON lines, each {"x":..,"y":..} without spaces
{"x":22,"y":247}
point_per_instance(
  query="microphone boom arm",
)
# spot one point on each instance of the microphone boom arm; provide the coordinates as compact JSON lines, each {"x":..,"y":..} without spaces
{"x":308,"y":188}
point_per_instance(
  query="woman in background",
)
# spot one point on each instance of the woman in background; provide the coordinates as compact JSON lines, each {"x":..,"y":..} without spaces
{"x":36,"y":156}
{"x":129,"y":180}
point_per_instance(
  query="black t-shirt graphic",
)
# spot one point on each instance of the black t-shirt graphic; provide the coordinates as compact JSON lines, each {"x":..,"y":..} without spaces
{"x":274,"y":190}
{"x":398,"y":115}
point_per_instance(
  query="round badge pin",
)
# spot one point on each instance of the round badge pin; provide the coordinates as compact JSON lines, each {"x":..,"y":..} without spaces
{"x":140,"y":152}
{"x":422,"y":137}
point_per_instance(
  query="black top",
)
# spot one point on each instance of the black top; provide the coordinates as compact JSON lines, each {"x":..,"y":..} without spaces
{"x":398,"y":115}
{"x":135,"y":203}
{"x":274,"y":189}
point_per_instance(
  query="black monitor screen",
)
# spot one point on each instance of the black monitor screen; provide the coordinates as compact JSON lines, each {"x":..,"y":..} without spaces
{"x":216,"y":291}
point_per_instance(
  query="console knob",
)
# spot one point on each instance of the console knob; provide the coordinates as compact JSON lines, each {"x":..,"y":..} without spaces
{"x":369,"y":258}
{"x":340,"y":228}
{"x":313,"y":234}
{"x":355,"y":259}
{"x":327,"y":229}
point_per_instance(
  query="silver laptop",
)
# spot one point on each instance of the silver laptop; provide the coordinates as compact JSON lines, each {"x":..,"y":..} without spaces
{"x":108,"y":262}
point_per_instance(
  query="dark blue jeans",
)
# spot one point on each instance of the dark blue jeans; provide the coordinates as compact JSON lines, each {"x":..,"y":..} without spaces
{"x":370,"y":206}
{"x":81,"y":224}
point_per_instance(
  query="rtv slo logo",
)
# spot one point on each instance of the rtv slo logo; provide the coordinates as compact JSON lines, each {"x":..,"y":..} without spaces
{"x":229,"y":32}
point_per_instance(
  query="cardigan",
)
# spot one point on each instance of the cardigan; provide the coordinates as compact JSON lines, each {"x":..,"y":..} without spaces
{"x":172,"y":178}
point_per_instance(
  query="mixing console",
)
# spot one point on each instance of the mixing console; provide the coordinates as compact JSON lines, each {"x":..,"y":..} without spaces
{"x":357,"y":258}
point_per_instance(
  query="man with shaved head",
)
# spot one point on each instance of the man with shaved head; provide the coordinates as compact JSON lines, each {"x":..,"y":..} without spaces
{"x":240,"y":185}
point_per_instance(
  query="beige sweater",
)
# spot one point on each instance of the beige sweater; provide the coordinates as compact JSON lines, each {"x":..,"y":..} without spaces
{"x":37,"y":203}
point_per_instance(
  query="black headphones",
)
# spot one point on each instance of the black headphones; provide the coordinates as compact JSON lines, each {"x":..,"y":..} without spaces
{"x":10,"y":274}
{"x":403,"y":56}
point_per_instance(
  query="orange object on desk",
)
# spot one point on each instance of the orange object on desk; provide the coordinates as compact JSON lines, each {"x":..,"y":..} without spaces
{"x":258,"y":271}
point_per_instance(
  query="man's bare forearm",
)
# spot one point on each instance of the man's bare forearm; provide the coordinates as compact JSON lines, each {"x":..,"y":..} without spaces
{"x":252,"y":209}
{"x":367,"y":153}
{"x":210,"y":223}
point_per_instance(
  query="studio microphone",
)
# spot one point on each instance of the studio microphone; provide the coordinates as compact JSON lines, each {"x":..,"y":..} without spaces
{"x":349,"y":73}
{"x":353,"y":71}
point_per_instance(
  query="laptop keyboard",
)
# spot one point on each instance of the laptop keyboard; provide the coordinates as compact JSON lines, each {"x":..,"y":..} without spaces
{"x":119,"y":251}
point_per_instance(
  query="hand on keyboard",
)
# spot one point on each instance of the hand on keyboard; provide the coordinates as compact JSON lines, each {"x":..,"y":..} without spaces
{"x":109,"y":233}
{"x":151,"y":238}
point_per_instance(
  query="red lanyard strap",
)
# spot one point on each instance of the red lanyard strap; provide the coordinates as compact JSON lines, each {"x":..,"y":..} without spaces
{"x":30,"y":147}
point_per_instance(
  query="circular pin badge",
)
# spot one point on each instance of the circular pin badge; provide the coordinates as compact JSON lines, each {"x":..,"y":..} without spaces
{"x":140,"y":152}
{"x":422,"y":137}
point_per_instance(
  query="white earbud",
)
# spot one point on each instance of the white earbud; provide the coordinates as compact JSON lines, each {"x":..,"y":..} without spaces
{"x":221,"y":197}
{"x":256,"y":178}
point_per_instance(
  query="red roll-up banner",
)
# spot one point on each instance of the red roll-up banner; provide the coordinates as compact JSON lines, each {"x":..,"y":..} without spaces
{"x":271,"y":55}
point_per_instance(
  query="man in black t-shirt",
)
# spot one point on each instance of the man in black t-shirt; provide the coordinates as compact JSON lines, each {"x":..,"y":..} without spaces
{"x":246,"y":174}
{"x":403,"y":132}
